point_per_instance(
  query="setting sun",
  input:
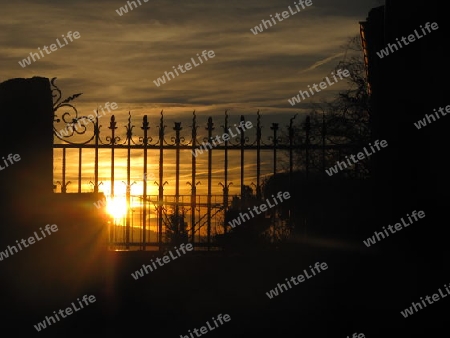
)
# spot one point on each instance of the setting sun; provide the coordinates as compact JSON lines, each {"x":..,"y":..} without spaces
{"x":117,"y":207}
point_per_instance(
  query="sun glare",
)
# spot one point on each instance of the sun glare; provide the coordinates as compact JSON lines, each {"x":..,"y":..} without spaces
{"x":117,"y":207}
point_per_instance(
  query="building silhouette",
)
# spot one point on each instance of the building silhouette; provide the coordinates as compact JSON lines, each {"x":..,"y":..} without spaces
{"x":405,"y":86}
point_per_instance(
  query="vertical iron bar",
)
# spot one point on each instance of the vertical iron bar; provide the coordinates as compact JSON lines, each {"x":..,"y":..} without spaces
{"x":96,"y":132}
{"x":79,"y":170}
{"x":242,"y":159}
{"x":307,"y":128}
{"x":258,"y":156}
{"x":307,"y":218}
{"x":323,"y":143}
{"x":225,"y":187}
{"x":291,"y":148}
{"x":210,"y":128}
{"x":63,"y":186}
{"x":112,"y":126}
{"x":145,"y":127}
{"x":177,"y":129}
{"x":275,"y":143}
{"x":128,"y":191}
{"x":291,"y":160}
{"x":194,"y":185}
{"x":161,"y":170}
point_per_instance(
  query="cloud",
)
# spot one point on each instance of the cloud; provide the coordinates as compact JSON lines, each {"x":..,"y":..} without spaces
{"x":322,"y":62}
{"x":117,"y":57}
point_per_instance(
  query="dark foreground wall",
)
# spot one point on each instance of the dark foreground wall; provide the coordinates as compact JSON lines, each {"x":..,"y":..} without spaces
{"x":26,"y":130}
{"x":54,"y":264}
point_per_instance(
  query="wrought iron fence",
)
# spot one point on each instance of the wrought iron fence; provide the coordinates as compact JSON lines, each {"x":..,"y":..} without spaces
{"x":162,"y":212}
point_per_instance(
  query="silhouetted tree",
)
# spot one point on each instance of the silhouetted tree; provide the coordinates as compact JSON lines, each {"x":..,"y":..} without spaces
{"x":249,"y":234}
{"x":176,"y":229}
{"x":349,"y":113}
{"x":320,"y":204}
{"x":342,"y":121}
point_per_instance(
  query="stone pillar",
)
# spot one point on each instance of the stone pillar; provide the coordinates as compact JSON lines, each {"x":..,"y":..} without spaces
{"x":26,"y":130}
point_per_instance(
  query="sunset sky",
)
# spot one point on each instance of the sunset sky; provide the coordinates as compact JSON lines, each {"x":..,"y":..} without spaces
{"x":117,"y":57}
